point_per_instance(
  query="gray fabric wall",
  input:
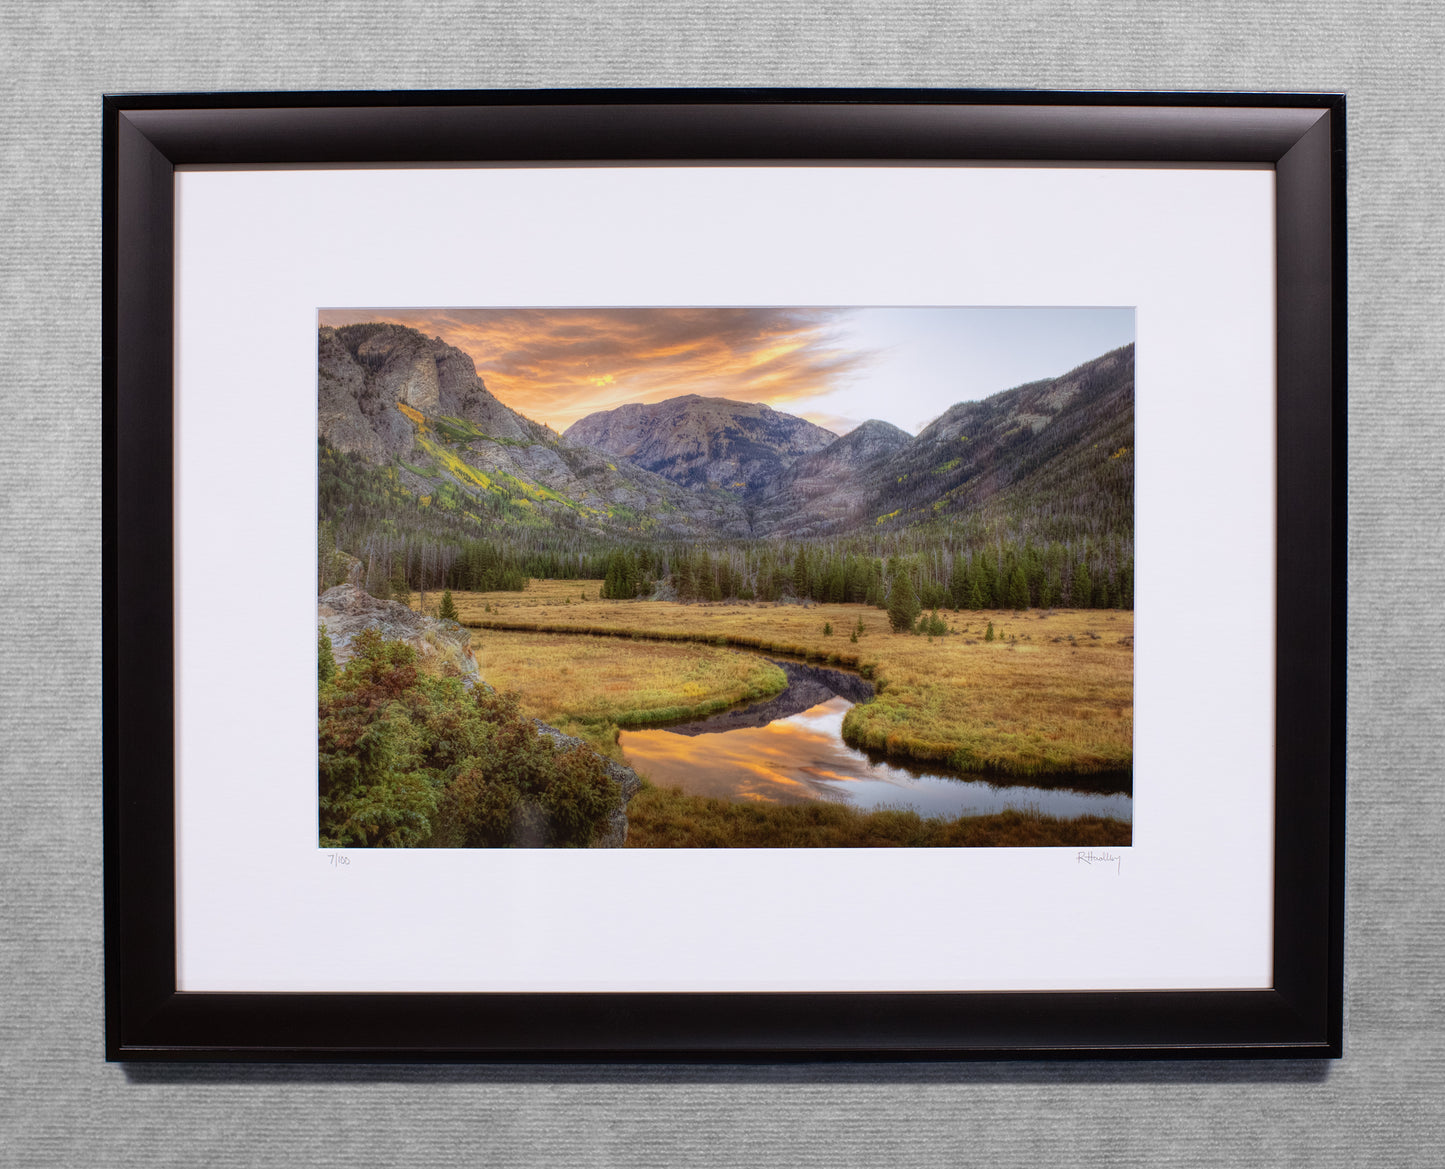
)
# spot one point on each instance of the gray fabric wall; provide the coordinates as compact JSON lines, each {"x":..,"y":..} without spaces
{"x":61,"y":1104}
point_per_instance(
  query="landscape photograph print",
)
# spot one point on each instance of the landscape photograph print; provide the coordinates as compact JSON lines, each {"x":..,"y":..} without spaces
{"x":725,"y":577}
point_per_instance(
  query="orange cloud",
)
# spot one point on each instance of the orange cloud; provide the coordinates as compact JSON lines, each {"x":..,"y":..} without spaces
{"x":559,"y":365}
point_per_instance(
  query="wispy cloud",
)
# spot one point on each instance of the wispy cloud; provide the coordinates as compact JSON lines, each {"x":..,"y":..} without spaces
{"x":837,"y":423}
{"x":558,"y":365}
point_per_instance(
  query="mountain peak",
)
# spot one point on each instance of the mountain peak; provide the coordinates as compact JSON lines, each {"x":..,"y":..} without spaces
{"x":703,"y":442}
{"x":875,"y":429}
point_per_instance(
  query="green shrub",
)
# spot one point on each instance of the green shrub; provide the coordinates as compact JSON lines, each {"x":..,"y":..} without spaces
{"x":408,"y":759}
{"x":526,"y":790}
{"x":931,"y":625}
{"x":325,"y":659}
{"x":372,"y":791}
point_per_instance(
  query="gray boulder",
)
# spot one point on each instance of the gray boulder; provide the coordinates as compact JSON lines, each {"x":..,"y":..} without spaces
{"x":346,"y":610}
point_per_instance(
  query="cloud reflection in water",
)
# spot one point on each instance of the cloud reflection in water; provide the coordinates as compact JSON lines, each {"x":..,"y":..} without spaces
{"x":803,"y":757}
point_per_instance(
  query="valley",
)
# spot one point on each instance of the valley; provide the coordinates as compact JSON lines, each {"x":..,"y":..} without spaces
{"x":1034,"y":723}
{"x":663,"y":562}
{"x":1049,"y":694}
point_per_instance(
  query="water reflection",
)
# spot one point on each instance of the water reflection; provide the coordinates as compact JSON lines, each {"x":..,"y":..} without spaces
{"x":803,"y":757}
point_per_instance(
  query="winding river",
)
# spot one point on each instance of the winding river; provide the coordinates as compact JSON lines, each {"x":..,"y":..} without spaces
{"x":790,"y":749}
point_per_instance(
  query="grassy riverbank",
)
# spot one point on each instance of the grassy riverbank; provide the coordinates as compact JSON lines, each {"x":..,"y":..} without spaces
{"x":668,"y":818}
{"x":586,"y":687}
{"x":1052,"y":692}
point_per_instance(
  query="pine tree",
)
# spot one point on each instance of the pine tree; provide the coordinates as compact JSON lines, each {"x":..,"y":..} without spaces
{"x":448,"y":609}
{"x":325,"y":659}
{"x":1034,"y":574}
{"x":1081,"y":592}
{"x":1017,"y":592}
{"x":958,"y":584}
{"x":874,"y":595}
{"x":1053,"y":591}
{"x":903,"y":606}
{"x":987,"y":580}
{"x":988,"y":634}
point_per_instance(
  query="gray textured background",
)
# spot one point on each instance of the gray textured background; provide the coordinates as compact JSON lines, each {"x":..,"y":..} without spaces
{"x":61,"y":1104}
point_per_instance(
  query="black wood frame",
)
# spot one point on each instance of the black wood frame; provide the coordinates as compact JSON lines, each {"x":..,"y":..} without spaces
{"x":146,"y":137}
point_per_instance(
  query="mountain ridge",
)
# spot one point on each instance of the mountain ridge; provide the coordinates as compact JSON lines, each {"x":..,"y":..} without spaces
{"x":1005,"y":450}
{"x":1054,"y":455}
{"x":398,"y":399}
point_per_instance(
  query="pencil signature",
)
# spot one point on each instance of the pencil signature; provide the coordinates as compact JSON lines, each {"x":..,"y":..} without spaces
{"x":1087,"y":856}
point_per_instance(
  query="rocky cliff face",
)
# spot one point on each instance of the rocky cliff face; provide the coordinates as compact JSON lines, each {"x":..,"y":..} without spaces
{"x":702,"y":443}
{"x":366,"y":371}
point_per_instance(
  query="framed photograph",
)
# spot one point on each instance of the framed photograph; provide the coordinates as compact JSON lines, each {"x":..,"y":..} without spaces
{"x":724,"y":575}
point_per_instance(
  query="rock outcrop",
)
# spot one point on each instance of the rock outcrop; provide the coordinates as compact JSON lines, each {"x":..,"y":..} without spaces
{"x":346,"y":610}
{"x":367,"y":371}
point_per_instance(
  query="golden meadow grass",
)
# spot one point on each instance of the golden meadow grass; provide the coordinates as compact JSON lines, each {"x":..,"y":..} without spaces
{"x":668,"y":818}
{"x":1052,"y":693}
{"x":591,"y":686}
{"x":1025,"y":688}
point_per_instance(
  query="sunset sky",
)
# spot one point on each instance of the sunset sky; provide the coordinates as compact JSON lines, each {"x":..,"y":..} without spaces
{"x":834,"y":366}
